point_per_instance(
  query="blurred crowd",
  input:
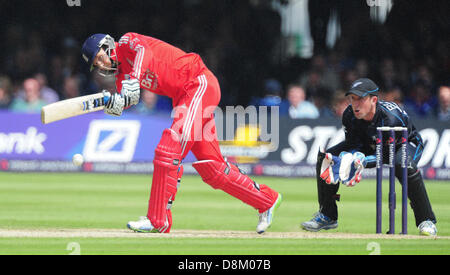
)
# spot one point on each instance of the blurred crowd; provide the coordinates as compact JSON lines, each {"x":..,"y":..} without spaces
{"x":320,"y":91}
{"x":239,"y":41}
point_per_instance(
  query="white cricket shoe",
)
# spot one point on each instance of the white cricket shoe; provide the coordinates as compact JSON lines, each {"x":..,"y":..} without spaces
{"x":266,"y":218}
{"x":427,"y":228}
{"x":142,"y":226}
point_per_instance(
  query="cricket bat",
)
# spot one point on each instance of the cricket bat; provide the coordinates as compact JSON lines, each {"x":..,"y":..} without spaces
{"x":72,"y":107}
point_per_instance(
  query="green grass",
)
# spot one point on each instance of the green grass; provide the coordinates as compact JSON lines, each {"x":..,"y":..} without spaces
{"x":191,"y":246}
{"x":44,"y":201}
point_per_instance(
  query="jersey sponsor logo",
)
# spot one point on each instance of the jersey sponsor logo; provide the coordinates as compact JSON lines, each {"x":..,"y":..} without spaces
{"x":377,"y":140}
{"x":149,"y":80}
{"x":111,"y":140}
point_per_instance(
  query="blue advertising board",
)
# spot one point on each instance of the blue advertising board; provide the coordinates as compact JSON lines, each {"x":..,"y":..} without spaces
{"x":126,"y":145}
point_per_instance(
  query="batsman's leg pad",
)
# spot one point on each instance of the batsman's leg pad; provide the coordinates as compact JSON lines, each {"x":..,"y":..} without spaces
{"x":228,"y":178}
{"x":166,"y":177}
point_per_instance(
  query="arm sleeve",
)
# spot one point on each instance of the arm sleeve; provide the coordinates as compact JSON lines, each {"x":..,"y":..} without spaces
{"x":131,"y":42}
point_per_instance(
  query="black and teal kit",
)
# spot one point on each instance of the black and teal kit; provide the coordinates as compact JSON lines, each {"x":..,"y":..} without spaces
{"x":361,"y":135}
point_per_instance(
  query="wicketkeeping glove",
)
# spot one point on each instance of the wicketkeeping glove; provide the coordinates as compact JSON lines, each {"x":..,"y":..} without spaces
{"x":345,"y":169}
{"x":329,"y":170}
{"x":351,"y":168}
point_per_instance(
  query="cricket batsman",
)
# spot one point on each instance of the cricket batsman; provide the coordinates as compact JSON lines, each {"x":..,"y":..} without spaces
{"x":345,"y":162}
{"x":143,"y":63}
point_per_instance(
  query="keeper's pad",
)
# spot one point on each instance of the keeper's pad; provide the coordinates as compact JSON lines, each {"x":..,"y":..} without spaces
{"x":166,"y":177}
{"x":227,"y":177}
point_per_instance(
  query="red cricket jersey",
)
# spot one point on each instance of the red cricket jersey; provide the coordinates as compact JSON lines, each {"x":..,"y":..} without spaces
{"x":160,"y":67}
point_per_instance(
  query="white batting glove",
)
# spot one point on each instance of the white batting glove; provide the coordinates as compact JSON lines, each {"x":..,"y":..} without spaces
{"x":131,"y":91}
{"x":114,"y":103}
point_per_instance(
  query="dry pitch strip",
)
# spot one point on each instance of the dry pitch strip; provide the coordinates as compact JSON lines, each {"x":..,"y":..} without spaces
{"x":124,"y":233}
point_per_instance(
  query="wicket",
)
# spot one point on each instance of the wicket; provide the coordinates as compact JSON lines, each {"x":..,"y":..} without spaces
{"x":404,"y":166}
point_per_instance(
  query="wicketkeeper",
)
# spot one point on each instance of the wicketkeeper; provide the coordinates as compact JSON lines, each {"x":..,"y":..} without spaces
{"x":145,"y":63}
{"x":345,"y":162}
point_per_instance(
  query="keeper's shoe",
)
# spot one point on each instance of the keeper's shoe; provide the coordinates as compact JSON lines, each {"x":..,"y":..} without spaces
{"x":266,"y":218}
{"x":142,"y":226}
{"x":319,"y":222}
{"x":427,"y":228}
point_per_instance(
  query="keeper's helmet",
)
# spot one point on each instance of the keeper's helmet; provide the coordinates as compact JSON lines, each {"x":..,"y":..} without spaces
{"x":92,"y":46}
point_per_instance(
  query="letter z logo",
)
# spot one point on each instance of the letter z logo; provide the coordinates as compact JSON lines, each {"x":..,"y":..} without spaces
{"x":111,"y":140}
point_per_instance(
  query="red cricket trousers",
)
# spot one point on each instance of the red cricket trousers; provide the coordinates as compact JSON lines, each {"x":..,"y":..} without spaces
{"x":194,"y":117}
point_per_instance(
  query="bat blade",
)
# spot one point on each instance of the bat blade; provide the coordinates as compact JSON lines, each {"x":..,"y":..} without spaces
{"x":72,"y":107}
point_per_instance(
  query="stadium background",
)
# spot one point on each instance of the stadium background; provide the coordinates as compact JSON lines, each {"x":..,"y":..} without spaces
{"x":257,"y":49}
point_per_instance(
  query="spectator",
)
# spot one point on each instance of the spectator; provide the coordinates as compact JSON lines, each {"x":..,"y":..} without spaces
{"x":420,"y":102}
{"x":393,"y":95}
{"x":388,"y":74}
{"x":362,"y":68}
{"x":349,"y":77}
{"x":443,"y":111}
{"x":147,"y":106}
{"x":229,"y":33}
{"x":423,"y":76}
{"x":322,"y":100}
{"x":335,"y":62}
{"x":71,"y":87}
{"x":56,"y":73}
{"x":319,"y":75}
{"x":48,"y":94}
{"x":272,"y":93}
{"x":5,"y":92}
{"x":32,"y":103}
{"x":340,"y":103}
{"x":272,"y":96}
{"x":311,"y":82}
{"x":299,"y":107}
{"x":98,"y":83}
